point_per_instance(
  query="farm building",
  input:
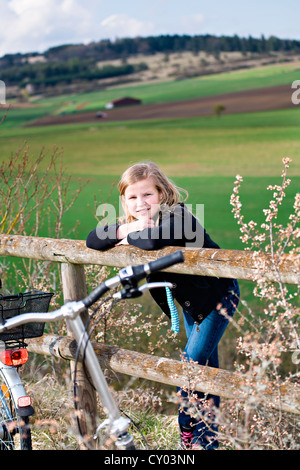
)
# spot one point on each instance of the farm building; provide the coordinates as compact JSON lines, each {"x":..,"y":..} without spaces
{"x":126,"y":101}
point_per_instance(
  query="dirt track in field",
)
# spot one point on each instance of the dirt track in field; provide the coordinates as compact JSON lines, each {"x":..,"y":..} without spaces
{"x":262,"y":99}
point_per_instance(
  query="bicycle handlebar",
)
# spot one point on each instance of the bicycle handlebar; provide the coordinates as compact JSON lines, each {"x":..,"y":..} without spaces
{"x":133,"y":274}
{"x":127,"y":276}
{"x":166,"y":261}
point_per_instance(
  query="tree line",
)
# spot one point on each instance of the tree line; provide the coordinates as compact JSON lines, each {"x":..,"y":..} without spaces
{"x":126,"y":47}
{"x":79,"y":61}
{"x":52,"y":73}
{"x":120,"y":48}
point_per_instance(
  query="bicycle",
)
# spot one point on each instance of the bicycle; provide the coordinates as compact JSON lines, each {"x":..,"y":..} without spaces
{"x":15,"y":404}
{"x":115,"y":426}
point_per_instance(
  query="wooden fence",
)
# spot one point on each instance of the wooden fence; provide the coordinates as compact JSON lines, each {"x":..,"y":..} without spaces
{"x":73,"y":255}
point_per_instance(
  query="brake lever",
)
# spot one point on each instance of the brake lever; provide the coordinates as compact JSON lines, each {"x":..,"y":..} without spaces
{"x":132,"y":292}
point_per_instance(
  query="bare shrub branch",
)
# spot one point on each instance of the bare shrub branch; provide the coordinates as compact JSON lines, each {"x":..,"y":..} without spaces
{"x":35,"y":195}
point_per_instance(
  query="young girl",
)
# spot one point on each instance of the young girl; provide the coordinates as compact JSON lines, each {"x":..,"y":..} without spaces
{"x":154,"y":218}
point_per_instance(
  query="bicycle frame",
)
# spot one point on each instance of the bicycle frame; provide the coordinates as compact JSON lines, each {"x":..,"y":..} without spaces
{"x":116,"y":425}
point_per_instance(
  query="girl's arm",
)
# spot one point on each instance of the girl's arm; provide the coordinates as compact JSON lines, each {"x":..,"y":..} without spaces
{"x":125,"y":229}
{"x":178,"y":227}
{"x":105,"y":237}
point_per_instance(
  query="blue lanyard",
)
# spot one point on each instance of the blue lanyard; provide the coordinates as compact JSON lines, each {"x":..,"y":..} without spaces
{"x":173,"y":310}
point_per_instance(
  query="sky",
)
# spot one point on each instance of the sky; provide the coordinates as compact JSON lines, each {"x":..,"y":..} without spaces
{"x":37,"y":25}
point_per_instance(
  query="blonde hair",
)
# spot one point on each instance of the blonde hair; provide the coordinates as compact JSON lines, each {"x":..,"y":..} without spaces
{"x":169,"y":192}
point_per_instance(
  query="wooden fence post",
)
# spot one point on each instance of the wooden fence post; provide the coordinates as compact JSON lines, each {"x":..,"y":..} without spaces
{"x":74,"y":288}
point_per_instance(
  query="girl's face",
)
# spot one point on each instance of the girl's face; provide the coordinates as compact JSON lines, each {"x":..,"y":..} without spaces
{"x":142,"y":199}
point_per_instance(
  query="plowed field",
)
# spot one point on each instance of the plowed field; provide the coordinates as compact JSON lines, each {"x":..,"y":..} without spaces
{"x":262,"y":99}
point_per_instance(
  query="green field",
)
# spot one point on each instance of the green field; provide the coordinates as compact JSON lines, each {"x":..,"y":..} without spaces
{"x":271,"y":75}
{"x":201,"y":154}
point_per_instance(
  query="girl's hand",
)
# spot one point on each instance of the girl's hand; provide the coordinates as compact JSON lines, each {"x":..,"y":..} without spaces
{"x":135,"y":226}
{"x":123,"y":242}
{"x":141,"y":224}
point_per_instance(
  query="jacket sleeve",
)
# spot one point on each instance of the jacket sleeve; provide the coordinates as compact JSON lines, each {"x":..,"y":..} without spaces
{"x":103,"y":238}
{"x":177,"y":227}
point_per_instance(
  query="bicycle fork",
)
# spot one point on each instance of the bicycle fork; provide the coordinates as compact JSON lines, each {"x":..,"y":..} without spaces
{"x":116,"y":425}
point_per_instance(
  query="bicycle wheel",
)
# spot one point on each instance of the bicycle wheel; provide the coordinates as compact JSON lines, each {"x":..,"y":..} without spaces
{"x":14,"y":429}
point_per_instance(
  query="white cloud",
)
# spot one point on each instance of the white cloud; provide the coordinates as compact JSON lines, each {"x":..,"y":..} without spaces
{"x":122,"y":25}
{"x":35,"y":25}
{"x":32,"y":25}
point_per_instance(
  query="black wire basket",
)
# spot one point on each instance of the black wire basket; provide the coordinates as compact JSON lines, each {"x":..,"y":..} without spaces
{"x":28,"y":302}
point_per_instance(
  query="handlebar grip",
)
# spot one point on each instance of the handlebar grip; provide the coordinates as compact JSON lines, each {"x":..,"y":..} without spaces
{"x":166,"y":261}
{"x":138,"y":272}
{"x":95,"y":295}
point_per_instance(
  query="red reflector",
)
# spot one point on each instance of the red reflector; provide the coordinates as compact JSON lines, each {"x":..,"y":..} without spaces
{"x":24,"y":401}
{"x":14,"y":357}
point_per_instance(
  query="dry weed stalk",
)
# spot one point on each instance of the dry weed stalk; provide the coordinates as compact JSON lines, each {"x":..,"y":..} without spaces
{"x":268,"y":341}
{"x":35,"y":195}
{"x":268,"y":338}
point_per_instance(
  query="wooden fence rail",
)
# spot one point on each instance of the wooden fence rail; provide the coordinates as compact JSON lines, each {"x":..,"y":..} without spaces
{"x":206,"y":262}
{"x":73,"y":255}
{"x":177,"y":373}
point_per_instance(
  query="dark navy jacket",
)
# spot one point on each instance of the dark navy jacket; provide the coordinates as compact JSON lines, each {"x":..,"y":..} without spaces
{"x":198,"y":295}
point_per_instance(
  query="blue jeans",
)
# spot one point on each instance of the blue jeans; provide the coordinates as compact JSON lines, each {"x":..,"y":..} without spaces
{"x":202,"y":347}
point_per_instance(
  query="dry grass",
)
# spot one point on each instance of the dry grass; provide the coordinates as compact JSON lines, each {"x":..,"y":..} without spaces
{"x":154,"y":417}
{"x":54,"y":427}
{"x":52,"y":422}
